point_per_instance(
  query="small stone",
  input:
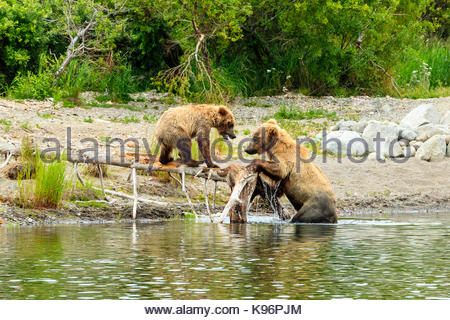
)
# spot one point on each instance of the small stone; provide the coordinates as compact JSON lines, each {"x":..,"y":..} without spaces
{"x":359,"y":126}
{"x":347,"y":125}
{"x":336,"y":126}
{"x":416,"y":144}
{"x":409,"y":151}
{"x":29,"y":220}
{"x":434,"y":149}
{"x":407,"y":134}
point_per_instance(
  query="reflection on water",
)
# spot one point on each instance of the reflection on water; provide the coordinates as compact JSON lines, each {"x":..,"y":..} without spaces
{"x":385,"y":259}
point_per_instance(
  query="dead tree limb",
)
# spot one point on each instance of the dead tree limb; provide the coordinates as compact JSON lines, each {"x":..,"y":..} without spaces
{"x":183,"y":188}
{"x":239,"y":202}
{"x":135,"y":194}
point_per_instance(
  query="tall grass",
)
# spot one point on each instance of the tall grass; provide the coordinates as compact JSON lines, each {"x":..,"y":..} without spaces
{"x":297,"y":114}
{"x":425,"y":69}
{"x":41,"y":185}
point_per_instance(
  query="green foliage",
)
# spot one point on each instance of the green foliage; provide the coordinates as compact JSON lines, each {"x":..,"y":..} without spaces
{"x":297,"y":114}
{"x":6,"y":124}
{"x":425,"y":65}
{"x":30,"y":85}
{"x":24,"y":36}
{"x":40,"y":184}
{"x":151,"y":119}
{"x":44,"y":115}
{"x":127,"y":119}
{"x":216,"y":50}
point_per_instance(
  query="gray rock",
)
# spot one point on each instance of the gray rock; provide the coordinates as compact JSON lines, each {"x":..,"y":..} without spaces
{"x":347,"y":125}
{"x":345,"y":138}
{"x":434,"y":149}
{"x":359,"y":126}
{"x":423,"y":114}
{"x":343,"y":125}
{"x":397,"y":150}
{"x":388,"y":131}
{"x":446,"y":118}
{"x":407,"y":134}
{"x":409,"y":151}
{"x":426,"y":131}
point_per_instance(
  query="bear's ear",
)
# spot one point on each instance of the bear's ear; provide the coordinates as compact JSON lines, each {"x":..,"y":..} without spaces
{"x":223,"y":111}
{"x":272,"y":121}
{"x":272,"y":132}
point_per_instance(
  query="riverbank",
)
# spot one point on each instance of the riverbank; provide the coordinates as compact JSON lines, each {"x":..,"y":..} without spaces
{"x":370,"y":186}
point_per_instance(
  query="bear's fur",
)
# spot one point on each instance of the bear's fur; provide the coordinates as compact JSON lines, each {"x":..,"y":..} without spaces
{"x":177,"y":126}
{"x":308,"y":189}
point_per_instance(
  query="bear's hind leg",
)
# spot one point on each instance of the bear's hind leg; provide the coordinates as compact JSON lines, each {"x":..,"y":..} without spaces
{"x":316,"y":211}
{"x":164,"y":156}
{"x":184,"y":147}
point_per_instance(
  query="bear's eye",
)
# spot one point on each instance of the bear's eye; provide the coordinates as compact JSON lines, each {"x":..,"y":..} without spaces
{"x":255,"y":139}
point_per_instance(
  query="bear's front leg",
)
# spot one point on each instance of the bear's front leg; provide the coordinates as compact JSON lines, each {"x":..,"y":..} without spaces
{"x":203,"y":144}
{"x":270,"y":168}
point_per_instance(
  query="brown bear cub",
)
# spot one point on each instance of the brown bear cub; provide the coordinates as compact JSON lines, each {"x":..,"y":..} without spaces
{"x":177,"y":126}
{"x":308,"y":189}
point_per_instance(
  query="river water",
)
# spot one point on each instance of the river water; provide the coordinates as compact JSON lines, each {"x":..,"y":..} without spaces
{"x":401,"y":257}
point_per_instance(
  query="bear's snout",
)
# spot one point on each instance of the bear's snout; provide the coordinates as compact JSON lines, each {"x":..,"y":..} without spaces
{"x":250,"y":151}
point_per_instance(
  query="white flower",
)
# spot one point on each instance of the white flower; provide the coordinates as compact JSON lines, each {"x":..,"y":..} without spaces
{"x":269,"y":71}
{"x":288,"y":77}
{"x":285,"y":89}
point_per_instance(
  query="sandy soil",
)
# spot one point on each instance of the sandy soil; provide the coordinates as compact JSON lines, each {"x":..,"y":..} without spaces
{"x":364,"y":187}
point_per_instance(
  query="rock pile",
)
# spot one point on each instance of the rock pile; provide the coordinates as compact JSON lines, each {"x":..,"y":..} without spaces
{"x":423,"y":133}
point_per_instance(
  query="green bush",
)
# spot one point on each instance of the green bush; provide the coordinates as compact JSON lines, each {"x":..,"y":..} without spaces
{"x":249,"y":48}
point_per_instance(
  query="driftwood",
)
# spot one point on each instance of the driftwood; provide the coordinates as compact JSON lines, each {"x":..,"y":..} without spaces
{"x":239,"y":203}
{"x":246,"y":185}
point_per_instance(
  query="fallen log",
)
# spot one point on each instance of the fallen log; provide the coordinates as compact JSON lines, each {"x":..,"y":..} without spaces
{"x":129,"y":162}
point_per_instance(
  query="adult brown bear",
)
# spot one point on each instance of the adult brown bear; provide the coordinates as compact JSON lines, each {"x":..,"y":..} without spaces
{"x":304,"y":184}
{"x":177,"y":126}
